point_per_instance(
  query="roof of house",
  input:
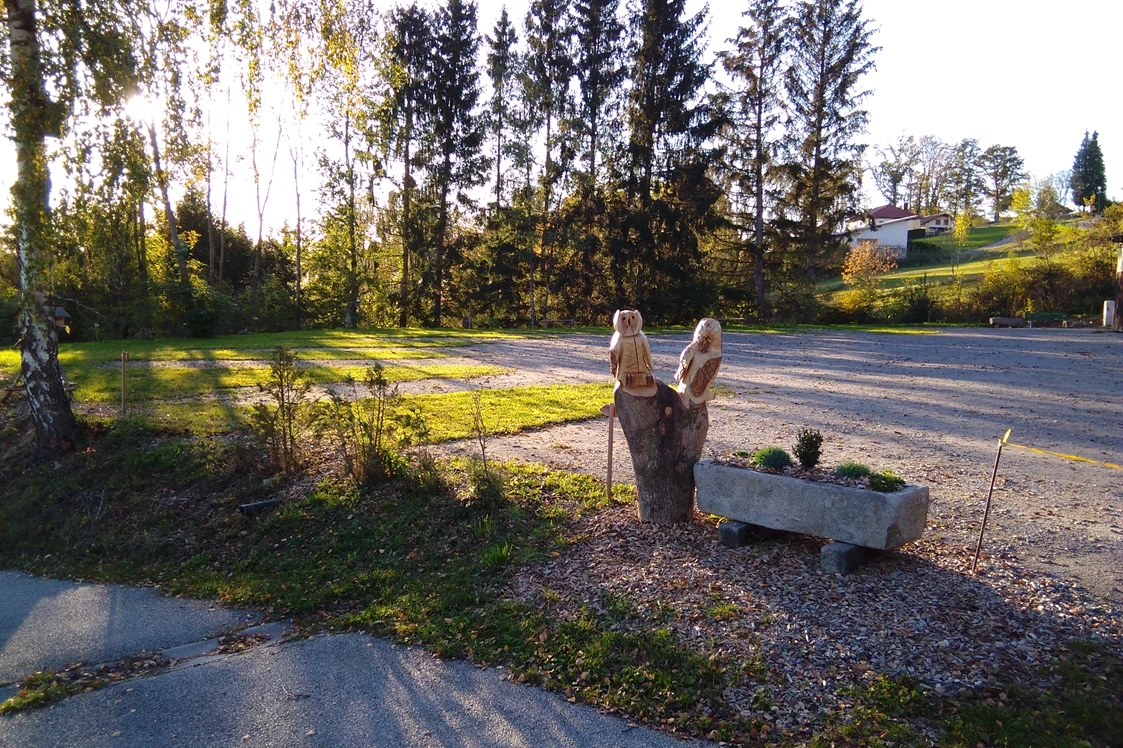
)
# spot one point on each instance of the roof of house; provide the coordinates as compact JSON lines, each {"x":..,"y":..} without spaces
{"x":884,"y":224}
{"x":889,"y":212}
{"x":934,"y":216}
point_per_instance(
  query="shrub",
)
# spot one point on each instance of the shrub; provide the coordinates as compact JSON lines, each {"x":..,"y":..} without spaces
{"x":280,"y":426}
{"x":851,"y":469}
{"x":808,"y":447}
{"x":886,"y":481}
{"x":362,"y":429}
{"x":772,"y":458}
{"x":425,"y":476}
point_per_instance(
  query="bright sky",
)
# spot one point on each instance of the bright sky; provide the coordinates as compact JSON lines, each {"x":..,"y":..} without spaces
{"x":1029,"y":73}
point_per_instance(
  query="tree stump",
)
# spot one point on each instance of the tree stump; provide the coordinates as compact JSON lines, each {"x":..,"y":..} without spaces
{"x":665,"y":437}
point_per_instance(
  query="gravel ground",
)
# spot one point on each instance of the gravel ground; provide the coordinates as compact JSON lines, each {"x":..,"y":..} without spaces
{"x":929,"y":407}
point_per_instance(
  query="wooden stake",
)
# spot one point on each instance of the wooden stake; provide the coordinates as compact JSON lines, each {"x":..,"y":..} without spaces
{"x":610,"y":411}
{"x":124,"y":362}
{"x":986,"y":512}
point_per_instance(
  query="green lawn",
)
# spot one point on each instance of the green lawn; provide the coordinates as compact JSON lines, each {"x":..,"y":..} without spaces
{"x":979,"y":236}
{"x":102,"y":385}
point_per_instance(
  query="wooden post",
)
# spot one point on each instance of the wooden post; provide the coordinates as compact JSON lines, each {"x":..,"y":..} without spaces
{"x":124,"y":362}
{"x":1117,"y":323}
{"x":610,"y":411}
{"x":665,"y":437}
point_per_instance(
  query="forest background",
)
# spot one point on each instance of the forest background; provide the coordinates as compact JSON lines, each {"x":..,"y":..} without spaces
{"x":560,"y":165}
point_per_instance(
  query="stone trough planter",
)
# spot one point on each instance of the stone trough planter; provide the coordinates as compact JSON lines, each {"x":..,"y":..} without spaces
{"x":860,"y":520}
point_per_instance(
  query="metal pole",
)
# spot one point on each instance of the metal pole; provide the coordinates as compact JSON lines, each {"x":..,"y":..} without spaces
{"x":124,"y":362}
{"x":610,"y":411}
{"x":986,"y":512}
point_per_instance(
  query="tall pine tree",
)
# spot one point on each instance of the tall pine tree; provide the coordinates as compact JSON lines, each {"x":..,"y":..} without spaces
{"x":404,"y":69}
{"x":831,"y":51}
{"x":457,"y":163}
{"x":753,"y":107}
{"x":1089,"y":180}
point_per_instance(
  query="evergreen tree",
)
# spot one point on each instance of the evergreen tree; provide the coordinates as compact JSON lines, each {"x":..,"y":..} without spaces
{"x":456,"y":163}
{"x":549,"y":63}
{"x":404,"y":71}
{"x":666,"y":114}
{"x":501,"y":69}
{"x":753,"y":108}
{"x":1002,"y":168}
{"x":1089,"y":179}
{"x":600,"y":73}
{"x":668,"y":203}
{"x":831,"y":51}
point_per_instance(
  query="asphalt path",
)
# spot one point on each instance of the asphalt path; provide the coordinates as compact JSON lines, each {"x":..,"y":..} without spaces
{"x":49,"y":623}
{"x":328,"y":690}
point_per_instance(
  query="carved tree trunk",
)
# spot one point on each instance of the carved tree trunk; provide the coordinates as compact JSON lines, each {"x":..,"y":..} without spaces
{"x":665,"y":437}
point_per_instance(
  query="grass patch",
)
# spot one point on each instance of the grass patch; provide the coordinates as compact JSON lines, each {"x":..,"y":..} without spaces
{"x":510,"y":411}
{"x":1082,"y":707}
{"x":978,"y":237}
{"x":102,"y":385}
{"x":421,"y":567}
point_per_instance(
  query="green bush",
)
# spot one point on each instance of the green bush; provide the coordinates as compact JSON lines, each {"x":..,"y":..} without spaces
{"x":808,"y":447}
{"x":280,"y":427}
{"x":851,"y":469}
{"x":772,"y":458}
{"x":362,"y":429}
{"x":886,"y":481}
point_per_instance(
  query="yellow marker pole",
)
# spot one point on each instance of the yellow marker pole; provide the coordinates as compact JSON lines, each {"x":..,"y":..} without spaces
{"x":986,"y":512}
{"x":610,"y":411}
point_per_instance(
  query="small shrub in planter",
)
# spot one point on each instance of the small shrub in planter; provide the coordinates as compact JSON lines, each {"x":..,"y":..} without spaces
{"x":772,"y":458}
{"x":851,"y":469}
{"x":808,"y":448}
{"x":886,"y":481}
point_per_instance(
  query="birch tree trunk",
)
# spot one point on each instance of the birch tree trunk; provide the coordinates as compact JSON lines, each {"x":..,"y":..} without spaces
{"x":665,"y":438}
{"x":31,"y":112}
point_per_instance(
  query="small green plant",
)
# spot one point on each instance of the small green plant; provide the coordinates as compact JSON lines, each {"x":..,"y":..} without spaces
{"x":772,"y":458}
{"x":808,"y":447}
{"x":426,"y":476}
{"x":851,"y":469}
{"x":279,"y":426}
{"x":742,"y":453}
{"x":362,"y":429}
{"x":498,"y":555}
{"x":886,"y":481}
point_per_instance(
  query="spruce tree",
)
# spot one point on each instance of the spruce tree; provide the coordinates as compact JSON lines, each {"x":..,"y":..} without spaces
{"x":457,"y":163}
{"x":1089,"y":179}
{"x":403,"y":121}
{"x":831,"y":51}
{"x":600,"y":71}
{"x":501,"y":69}
{"x":549,"y":35}
{"x":753,"y":108}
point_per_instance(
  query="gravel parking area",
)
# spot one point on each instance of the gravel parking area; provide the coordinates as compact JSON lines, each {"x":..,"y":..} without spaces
{"x":929,"y":406}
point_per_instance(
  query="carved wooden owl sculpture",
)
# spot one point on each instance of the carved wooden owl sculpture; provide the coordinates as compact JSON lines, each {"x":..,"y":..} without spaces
{"x":629,"y":355}
{"x":699,"y":362}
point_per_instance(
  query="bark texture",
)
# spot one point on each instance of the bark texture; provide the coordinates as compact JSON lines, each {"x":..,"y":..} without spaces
{"x":665,"y":438}
{"x":33,"y":118}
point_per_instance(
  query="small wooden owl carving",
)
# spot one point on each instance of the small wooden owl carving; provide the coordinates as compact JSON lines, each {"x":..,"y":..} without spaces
{"x":629,"y":355}
{"x":699,"y":362}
